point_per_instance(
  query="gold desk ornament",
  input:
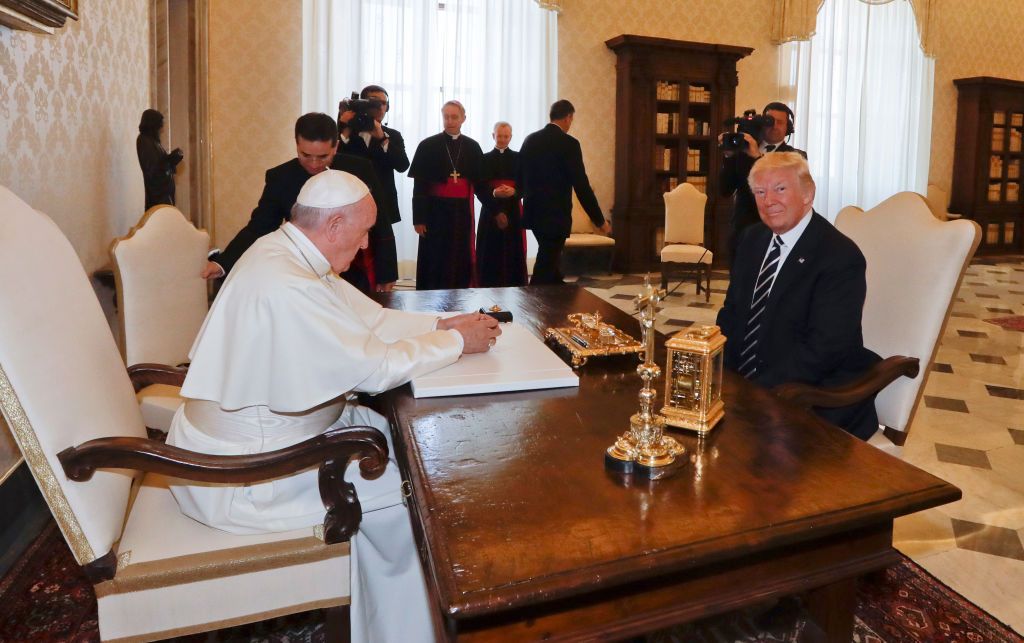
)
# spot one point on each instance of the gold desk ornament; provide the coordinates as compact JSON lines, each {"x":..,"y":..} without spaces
{"x":589,"y":337}
{"x":645,"y":449}
{"x":693,"y":379}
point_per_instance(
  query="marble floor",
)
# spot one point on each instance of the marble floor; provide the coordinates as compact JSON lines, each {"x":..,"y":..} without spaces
{"x":968,"y":430}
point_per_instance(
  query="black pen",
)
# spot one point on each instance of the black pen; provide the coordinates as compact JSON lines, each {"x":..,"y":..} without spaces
{"x":579,"y":340}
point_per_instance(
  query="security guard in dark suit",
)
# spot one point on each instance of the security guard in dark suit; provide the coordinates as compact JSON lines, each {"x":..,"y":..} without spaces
{"x":550,"y":168}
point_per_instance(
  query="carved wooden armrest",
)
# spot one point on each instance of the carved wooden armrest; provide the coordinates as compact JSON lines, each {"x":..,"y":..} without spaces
{"x":332,"y":450}
{"x":874,"y":380}
{"x":143,"y":375}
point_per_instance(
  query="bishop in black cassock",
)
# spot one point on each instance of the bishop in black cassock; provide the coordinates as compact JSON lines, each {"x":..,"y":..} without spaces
{"x":445,"y":168}
{"x":500,"y":236}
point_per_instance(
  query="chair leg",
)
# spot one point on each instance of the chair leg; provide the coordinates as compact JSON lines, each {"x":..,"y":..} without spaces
{"x":664,"y":275}
{"x":338,"y":624}
{"x":707,"y":279}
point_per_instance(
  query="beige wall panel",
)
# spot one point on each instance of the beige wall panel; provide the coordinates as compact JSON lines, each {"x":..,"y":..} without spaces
{"x":255,"y":96}
{"x":982,"y":40}
{"x":586,"y":69}
{"x":69,"y":114}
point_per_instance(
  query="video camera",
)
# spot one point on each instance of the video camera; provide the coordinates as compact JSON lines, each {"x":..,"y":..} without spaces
{"x":750,"y":123}
{"x":364,"y":108}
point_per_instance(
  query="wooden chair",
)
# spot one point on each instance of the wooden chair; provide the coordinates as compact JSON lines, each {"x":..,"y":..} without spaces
{"x":161,"y":300}
{"x":915,"y":264}
{"x":156,"y":572}
{"x":684,"y":252}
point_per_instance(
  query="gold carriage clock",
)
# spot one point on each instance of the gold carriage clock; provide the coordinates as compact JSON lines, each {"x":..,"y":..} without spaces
{"x":693,"y":379}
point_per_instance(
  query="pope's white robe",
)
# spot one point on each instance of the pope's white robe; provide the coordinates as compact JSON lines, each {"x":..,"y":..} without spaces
{"x":282,"y":349}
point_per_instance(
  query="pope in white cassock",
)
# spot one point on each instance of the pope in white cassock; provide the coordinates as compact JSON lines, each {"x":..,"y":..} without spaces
{"x":285,"y":345}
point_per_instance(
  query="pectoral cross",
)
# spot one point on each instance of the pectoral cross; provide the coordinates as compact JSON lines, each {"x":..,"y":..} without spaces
{"x":455,"y":176}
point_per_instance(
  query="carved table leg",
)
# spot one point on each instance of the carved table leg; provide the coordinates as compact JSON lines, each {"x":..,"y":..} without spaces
{"x":832,"y":607}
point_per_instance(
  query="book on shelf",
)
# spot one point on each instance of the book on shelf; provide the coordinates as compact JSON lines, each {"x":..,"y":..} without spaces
{"x":693,"y":160}
{"x":662,"y":157}
{"x":995,"y":167}
{"x":1015,"y":139}
{"x":999,"y":118}
{"x":1012,"y":191}
{"x":994,"y":193}
{"x":699,"y":94}
{"x":1017,"y":119}
{"x":1013,"y":170}
{"x":998,"y":138}
{"x":667,"y":91}
{"x":661,"y":124}
{"x":699,"y":182}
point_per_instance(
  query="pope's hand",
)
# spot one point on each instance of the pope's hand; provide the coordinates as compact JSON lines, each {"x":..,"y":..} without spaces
{"x":421,"y":229}
{"x":479,"y":331}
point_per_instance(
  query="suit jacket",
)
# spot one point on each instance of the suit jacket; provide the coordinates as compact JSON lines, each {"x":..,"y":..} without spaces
{"x":811,"y":328}
{"x":280,"y":189}
{"x":733,"y":179}
{"x":550,"y":168}
{"x":385,"y":163}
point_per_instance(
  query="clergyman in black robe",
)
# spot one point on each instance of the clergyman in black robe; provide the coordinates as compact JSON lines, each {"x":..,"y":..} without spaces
{"x":500,"y":237}
{"x":445,"y":168}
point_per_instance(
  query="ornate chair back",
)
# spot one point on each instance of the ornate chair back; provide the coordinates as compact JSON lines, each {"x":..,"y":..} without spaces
{"x":62,"y":381}
{"x":914,"y":267}
{"x":162,"y":300}
{"x":684,"y":215}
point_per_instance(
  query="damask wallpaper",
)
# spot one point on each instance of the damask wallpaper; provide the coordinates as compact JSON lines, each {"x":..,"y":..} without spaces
{"x":586,"y":68}
{"x":69,"y":113}
{"x":255,"y":96}
{"x":984,"y":40}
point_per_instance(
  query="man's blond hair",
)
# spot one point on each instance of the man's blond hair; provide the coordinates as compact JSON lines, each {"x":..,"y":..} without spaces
{"x":782,"y":161}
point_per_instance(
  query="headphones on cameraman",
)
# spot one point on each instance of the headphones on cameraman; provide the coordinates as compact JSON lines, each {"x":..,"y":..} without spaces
{"x":781,"y":107}
{"x":377,"y":88}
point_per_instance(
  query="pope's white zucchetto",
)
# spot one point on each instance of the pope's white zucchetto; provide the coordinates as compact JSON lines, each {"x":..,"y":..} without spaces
{"x":332,"y":189}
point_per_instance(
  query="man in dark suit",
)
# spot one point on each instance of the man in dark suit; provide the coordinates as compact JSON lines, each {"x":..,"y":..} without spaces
{"x":796,"y":294}
{"x":550,"y":168}
{"x":316,"y":144}
{"x":385,"y":148}
{"x":732,"y":178}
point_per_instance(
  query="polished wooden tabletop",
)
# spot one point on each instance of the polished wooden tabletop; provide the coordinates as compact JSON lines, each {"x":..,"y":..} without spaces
{"x":514,"y":508}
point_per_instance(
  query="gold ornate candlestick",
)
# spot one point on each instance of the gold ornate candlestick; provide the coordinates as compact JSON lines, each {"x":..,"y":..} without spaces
{"x":645,"y":449}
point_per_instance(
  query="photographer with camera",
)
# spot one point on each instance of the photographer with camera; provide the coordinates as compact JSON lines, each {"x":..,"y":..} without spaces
{"x":754,"y":137}
{"x":363,"y":134}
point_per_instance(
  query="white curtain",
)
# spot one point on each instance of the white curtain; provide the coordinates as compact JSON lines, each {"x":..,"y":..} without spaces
{"x":497,"y":57}
{"x":862,"y":91}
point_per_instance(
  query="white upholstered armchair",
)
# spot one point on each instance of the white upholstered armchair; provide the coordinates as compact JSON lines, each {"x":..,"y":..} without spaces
{"x":684,"y":252}
{"x":66,"y":395}
{"x":915,"y":264}
{"x":161,"y":300}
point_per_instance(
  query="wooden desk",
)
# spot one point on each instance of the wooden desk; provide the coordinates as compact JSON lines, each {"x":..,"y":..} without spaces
{"x":524,"y":535}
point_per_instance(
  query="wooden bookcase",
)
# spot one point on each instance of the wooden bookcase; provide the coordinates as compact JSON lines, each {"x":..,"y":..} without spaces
{"x":988,"y":162}
{"x":671,"y":100}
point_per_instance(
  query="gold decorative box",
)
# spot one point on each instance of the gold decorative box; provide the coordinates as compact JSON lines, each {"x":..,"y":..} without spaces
{"x":693,"y":379}
{"x":590,"y":337}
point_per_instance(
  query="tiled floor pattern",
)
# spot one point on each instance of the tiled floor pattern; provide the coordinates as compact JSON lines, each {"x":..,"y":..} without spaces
{"x":969,"y":430}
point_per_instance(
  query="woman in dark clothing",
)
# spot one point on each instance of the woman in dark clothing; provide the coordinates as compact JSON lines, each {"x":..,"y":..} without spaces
{"x":157,"y":164}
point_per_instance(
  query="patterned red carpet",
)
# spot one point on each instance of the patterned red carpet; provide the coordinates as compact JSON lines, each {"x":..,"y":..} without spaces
{"x":45,"y":597}
{"x":1015,"y":322}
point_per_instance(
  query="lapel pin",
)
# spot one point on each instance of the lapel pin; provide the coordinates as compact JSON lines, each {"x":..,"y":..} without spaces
{"x":801,"y":259}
